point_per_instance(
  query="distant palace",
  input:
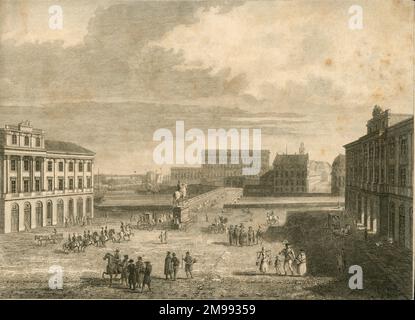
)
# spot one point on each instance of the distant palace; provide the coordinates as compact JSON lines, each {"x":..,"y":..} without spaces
{"x":42,"y":182}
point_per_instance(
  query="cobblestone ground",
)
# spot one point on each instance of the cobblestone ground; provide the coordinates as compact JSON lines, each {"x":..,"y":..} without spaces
{"x":221,"y":271}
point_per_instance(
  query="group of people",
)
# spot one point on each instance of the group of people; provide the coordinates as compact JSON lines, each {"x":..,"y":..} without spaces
{"x":163,"y":236}
{"x":172,"y":265}
{"x":286,"y":261}
{"x":137,"y":274}
{"x":239,"y":236}
{"x":78,"y":220}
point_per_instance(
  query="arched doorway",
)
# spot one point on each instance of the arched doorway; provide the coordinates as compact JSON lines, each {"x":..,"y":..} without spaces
{"x":15,"y":218}
{"x":391,"y":224}
{"x":39,"y":214}
{"x":88,"y":207}
{"x":80,"y":209}
{"x":70,"y":211}
{"x":27,"y":216}
{"x":60,"y":211}
{"x":49,"y":213}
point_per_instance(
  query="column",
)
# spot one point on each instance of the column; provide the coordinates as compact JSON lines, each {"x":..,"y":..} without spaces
{"x":42,"y":174}
{"x":65,"y":175}
{"x":32,"y":173}
{"x":19,"y":174}
{"x":54,"y":175}
{"x":83,"y":176}
{"x":75,"y":179}
{"x":5,"y":174}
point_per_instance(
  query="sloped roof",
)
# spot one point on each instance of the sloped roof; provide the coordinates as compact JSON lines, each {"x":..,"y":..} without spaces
{"x":290,"y":159}
{"x":66,"y":147}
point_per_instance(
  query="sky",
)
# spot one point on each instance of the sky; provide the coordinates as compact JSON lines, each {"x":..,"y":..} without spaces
{"x":119,"y":70}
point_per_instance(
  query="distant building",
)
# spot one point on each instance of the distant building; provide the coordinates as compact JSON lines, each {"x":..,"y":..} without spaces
{"x":290,"y":173}
{"x":42,"y":182}
{"x":231,"y":172}
{"x":379,"y":171}
{"x":293,"y":174}
{"x":189,"y":175}
{"x":338,"y":175}
{"x":213,"y":172}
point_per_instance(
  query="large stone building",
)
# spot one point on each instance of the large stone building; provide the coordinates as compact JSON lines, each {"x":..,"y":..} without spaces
{"x":379,"y":170}
{"x":293,"y":174}
{"x":338,"y":175}
{"x":230,"y":173}
{"x":42,"y":182}
{"x":214,"y":172}
{"x":190,"y":175}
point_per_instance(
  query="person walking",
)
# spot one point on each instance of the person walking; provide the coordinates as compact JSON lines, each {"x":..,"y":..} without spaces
{"x":168,"y":270}
{"x":289,"y":257}
{"x":188,"y":264}
{"x":147,"y":276}
{"x":139,"y":272}
{"x":176,"y":264}
{"x":132,"y":281}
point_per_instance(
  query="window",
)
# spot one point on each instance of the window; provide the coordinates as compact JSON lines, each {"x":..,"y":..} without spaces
{"x":13,"y":165}
{"x":26,"y":185}
{"x":80,"y":183}
{"x":402,"y":176}
{"x":404,"y":147}
{"x":391,"y":177}
{"x":89,"y":166}
{"x":60,"y":183}
{"x":37,"y":142}
{"x":50,"y":184}
{"x":37,"y":165}
{"x":80,"y":166}
{"x":26,"y":141}
{"x":60,"y":166}
{"x":88,"y":182}
{"x":71,"y":166}
{"x":391,"y":149}
{"x":13,"y":185}
{"x":50,"y":166}
{"x":71,"y":183}
{"x":37,"y":184}
{"x":14,"y":139}
{"x":26,"y":165}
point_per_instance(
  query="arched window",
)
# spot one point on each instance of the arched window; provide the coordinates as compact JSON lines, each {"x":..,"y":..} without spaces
{"x":88,"y":206}
{"x":37,"y":142}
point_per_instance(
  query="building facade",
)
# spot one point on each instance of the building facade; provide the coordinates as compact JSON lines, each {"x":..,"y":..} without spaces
{"x":189,"y":175}
{"x":290,"y":173}
{"x":230,"y":173}
{"x":338,"y":175}
{"x":379,"y":171}
{"x":42,"y":182}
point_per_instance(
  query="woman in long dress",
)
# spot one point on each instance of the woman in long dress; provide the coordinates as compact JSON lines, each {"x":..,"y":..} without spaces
{"x":301,"y":263}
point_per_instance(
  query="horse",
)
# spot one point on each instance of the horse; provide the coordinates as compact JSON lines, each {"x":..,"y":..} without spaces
{"x":113,"y":268}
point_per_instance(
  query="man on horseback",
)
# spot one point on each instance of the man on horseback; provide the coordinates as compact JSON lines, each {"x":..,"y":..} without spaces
{"x":117,"y":256}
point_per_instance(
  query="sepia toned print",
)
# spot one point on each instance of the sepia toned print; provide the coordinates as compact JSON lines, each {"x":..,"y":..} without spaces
{"x":206,"y":149}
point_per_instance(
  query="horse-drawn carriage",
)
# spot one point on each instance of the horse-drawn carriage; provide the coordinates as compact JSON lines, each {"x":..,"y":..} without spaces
{"x":219,"y":226}
{"x":43,"y":239}
{"x":146,"y":222}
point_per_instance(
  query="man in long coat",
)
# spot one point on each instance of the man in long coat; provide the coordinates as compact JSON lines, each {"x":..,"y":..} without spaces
{"x":139,"y":269}
{"x":168,"y":268}
{"x":176,"y":264}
